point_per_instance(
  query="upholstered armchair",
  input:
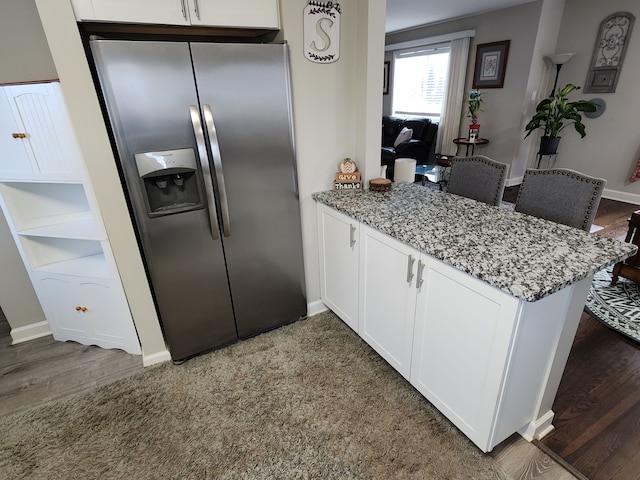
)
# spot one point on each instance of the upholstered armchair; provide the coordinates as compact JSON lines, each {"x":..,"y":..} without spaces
{"x":406,"y":138}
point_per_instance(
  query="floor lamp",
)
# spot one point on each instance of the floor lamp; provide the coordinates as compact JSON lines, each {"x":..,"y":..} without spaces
{"x":559,"y":59}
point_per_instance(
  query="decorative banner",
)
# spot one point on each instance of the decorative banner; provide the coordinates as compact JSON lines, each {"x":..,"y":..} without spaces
{"x":322,"y":32}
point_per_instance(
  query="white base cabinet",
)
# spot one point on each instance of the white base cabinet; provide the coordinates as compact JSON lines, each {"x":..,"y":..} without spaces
{"x":481,"y":356}
{"x":339,"y":263}
{"x":388,"y":296}
{"x":57,"y":227}
{"x":217,"y":13}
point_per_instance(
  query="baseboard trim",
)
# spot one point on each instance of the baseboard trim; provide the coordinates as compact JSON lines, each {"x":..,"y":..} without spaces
{"x":633,"y":198}
{"x":315,"y":307}
{"x":538,"y":428}
{"x":158,"y":357}
{"x":30,"y":332}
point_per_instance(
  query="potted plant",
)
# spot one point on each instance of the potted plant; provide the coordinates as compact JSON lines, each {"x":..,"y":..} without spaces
{"x":554,"y":114}
{"x":474,"y":102}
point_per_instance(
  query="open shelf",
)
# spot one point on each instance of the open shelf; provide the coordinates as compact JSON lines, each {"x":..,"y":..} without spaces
{"x":85,"y":229}
{"x":90,"y":266}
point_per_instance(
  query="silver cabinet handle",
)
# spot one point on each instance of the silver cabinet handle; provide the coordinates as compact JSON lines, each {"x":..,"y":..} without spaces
{"x":206,"y":171}
{"x":217,"y":165}
{"x":420,"y":280}
{"x":196,"y":9}
{"x":352,"y":235}
{"x":184,"y":10}
{"x":410,"y":263}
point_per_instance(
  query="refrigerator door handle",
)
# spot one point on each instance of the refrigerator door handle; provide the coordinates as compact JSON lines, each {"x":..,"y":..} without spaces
{"x":217,"y":165}
{"x":206,"y":170}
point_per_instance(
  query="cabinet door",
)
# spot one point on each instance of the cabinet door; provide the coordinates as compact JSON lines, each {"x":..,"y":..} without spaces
{"x":169,"y":12}
{"x":110,"y":315}
{"x":463,"y":339}
{"x":387,"y":296}
{"x":239,"y":13}
{"x":62,"y":305}
{"x":15,"y":160}
{"x":217,"y":13}
{"x":338,"y":237}
{"x":41,"y":114}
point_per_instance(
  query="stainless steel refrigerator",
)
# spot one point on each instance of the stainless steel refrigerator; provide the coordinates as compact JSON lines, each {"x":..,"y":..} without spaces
{"x":204,"y":137}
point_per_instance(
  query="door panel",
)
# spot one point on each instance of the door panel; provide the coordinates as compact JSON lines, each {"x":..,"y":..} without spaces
{"x":247,"y":88}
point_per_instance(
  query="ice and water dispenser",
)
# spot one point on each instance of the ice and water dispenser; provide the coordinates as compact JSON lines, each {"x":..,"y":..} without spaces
{"x":170,"y":181}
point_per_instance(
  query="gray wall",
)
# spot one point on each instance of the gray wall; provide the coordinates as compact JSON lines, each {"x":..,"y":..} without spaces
{"x":612,"y":145}
{"x":500,"y":119}
{"x":25,"y":57}
{"x":23,"y":47}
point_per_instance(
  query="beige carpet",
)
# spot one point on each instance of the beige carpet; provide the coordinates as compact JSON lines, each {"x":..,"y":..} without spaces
{"x":307,"y":401}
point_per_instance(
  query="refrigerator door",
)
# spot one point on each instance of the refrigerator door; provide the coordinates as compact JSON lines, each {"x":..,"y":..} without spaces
{"x":148,"y":89}
{"x":245,"y":96}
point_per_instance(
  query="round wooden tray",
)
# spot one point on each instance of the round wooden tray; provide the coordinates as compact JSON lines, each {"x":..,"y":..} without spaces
{"x":380,"y":185}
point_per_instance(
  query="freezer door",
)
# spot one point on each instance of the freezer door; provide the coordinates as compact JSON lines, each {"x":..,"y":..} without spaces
{"x":148,"y":89}
{"x":244,"y":88}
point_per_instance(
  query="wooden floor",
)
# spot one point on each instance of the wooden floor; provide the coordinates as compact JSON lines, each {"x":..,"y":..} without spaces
{"x":598,"y":403}
{"x":43,"y":370}
{"x":597,"y":407}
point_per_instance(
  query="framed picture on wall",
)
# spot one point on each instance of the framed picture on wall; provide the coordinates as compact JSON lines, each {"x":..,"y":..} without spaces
{"x":491,"y":64}
{"x":385,"y":84}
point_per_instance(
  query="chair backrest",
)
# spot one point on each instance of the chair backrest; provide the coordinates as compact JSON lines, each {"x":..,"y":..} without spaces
{"x":561,"y":195}
{"x":479,"y":178}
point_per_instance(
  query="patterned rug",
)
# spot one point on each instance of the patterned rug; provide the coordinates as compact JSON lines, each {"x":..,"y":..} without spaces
{"x":617,"y":306}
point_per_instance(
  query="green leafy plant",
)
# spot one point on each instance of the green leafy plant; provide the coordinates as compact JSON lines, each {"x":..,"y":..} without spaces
{"x":555,"y":113}
{"x":474,"y":102}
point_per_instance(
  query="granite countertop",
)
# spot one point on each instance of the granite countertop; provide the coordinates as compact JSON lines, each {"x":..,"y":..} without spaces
{"x":525,"y":256}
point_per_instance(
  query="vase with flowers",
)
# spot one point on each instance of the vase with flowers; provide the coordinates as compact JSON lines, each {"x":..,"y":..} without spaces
{"x":474,"y":102}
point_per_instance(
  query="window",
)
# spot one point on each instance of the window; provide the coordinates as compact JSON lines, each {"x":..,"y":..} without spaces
{"x":420,"y":81}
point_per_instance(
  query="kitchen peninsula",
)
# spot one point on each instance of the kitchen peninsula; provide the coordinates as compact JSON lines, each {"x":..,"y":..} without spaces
{"x":475,"y":305}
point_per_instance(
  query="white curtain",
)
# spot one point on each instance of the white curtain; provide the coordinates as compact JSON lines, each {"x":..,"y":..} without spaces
{"x":450,"y":119}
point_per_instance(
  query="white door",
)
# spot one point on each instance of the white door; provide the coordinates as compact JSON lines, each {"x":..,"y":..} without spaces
{"x":15,"y":159}
{"x":41,"y":114}
{"x":463,"y":337}
{"x":238,"y":13}
{"x":167,"y":12}
{"x":387,"y":296}
{"x":339,"y":255}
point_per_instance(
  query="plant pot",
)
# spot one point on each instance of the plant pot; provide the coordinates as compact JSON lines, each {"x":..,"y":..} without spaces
{"x":549,"y":145}
{"x":474,"y":132}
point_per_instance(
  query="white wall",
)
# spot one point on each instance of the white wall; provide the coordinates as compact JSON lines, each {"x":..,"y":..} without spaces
{"x":612,"y":145}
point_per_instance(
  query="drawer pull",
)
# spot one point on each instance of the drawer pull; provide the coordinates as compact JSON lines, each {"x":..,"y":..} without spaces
{"x":420,"y":280}
{"x":352,"y":235}
{"x":19,"y":135}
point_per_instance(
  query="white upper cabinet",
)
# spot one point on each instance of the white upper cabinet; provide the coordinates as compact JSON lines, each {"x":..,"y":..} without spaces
{"x":36,"y":136}
{"x":216,"y":13}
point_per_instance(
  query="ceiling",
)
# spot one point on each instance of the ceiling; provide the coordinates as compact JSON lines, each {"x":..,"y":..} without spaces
{"x":402,"y":14}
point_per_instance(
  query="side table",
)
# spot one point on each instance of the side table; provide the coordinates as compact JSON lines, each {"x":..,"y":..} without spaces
{"x":468,"y":143}
{"x":630,"y":268}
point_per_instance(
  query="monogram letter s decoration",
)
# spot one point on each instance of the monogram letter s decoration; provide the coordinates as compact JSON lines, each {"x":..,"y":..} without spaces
{"x":322,"y":32}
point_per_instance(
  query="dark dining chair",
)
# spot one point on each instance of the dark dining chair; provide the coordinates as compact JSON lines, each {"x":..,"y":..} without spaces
{"x":478,"y":177}
{"x":561,"y":195}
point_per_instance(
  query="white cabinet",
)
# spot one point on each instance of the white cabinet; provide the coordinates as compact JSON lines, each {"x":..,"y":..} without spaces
{"x":37,"y":140}
{"x":481,"y":356}
{"x":56,"y":225}
{"x":338,"y":237}
{"x":388,"y":275}
{"x":461,"y":346}
{"x":87,"y":310}
{"x":217,"y":13}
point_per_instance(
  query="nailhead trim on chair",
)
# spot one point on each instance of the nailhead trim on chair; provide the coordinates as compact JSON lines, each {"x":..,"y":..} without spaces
{"x":487,"y":161}
{"x":572,"y":174}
